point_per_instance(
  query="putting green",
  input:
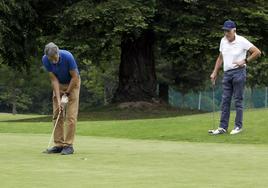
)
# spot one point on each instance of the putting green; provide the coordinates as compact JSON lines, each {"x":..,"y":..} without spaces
{"x":123,"y":163}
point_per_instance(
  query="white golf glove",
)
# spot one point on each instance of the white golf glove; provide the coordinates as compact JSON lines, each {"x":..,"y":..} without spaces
{"x":64,"y":99}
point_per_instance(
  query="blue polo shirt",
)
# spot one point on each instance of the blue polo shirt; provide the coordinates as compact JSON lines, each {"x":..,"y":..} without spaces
{"x":61,"y":69}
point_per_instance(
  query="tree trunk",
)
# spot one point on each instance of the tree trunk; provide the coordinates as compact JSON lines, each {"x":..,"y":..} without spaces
{"x":14,"y":102}
{"x":137,"y":78}
{"x":14,"y":108}
{"x":163,"y":92}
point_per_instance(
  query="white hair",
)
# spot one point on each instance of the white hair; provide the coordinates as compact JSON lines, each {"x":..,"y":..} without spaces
{"x":51,"y":49}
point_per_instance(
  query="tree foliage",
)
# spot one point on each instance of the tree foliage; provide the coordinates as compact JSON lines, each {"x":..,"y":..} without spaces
{"x":106,"y":36}
{"x":18,"y":32}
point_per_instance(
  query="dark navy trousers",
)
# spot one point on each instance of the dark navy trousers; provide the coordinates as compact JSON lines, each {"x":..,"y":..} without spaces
{"x":233,"y":84}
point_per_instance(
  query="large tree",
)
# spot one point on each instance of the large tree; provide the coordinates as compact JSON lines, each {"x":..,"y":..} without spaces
{"x":177,"y":40}
{"x":180,"y":38}
{"x":100,"y":28}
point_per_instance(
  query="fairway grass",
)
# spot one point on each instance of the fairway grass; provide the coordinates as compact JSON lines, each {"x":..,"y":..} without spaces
{"x":189,"y":128}
{"x":128,"y":163}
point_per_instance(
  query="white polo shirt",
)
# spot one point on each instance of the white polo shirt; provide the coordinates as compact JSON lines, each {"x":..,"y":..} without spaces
{"x":234,"y":51}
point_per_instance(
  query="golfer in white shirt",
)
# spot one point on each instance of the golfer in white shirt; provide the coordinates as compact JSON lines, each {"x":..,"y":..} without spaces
{"x":233,"y":55}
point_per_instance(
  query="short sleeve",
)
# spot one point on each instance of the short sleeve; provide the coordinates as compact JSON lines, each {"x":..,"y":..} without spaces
{"x":46,"y":64}
{"x":221,"y":43}
{"x":246,"y":44}
{"x":72,"y":62}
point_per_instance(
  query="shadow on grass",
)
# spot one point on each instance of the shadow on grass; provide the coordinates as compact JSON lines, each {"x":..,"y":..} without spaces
{"x":108,"y":114}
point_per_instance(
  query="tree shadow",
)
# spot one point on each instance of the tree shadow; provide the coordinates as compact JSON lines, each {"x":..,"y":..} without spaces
{"x":109,"y":115}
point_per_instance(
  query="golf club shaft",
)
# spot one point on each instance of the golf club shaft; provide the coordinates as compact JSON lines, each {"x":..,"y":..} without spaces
{"x":55,"y":125}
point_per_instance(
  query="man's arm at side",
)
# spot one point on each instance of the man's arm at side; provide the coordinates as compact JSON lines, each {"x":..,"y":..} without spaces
{"x":217,"y":67}
{"x":74,"y":80}
{"x":55,"y":86}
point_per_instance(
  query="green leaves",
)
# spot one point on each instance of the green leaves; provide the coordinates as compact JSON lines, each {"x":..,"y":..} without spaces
{"x":187,"y":36}
{"x":17,"y":33}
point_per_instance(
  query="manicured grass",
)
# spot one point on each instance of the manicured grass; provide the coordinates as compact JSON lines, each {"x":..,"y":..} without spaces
{"x":136,"y":150}
{"x":18,"y":117}
{"x":191,"y":128}
{"x":127,"y":163}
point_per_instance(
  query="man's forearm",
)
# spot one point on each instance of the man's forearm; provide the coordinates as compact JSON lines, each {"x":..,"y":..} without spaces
{"x":56,"y":89}
{"x":73,"y":83}
{"x":253,"y":56}
{"x":217,"y":65}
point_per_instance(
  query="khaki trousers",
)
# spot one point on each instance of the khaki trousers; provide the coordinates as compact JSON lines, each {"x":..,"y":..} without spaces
{"x":64,"y":136}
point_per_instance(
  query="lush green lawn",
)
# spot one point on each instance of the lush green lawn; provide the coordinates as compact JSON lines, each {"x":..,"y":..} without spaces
{"x":126,"y":163}
{"x":149,"y":152}
{"x":192,"y":128}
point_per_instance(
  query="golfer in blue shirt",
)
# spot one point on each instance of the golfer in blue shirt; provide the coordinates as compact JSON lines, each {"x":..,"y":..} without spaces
{"x":65,"y":80}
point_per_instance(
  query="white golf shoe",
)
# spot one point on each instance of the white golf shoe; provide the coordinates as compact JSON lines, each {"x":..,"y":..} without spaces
{"x":236,"y":130}
{"x":217,"y":131}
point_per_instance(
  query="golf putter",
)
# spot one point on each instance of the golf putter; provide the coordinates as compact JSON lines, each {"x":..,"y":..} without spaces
{"x":52,"y":134}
